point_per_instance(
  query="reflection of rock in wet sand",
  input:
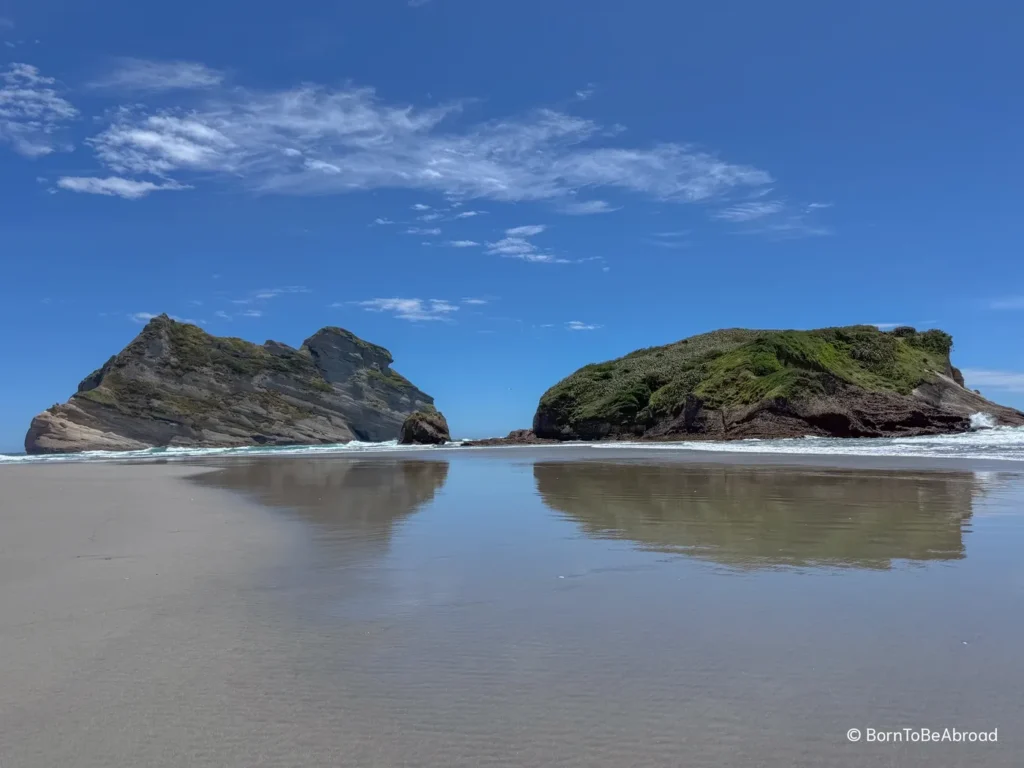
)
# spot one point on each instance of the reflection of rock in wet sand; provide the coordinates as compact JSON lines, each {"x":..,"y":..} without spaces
{"x":356,"y":502}
{"x":762,"y":516}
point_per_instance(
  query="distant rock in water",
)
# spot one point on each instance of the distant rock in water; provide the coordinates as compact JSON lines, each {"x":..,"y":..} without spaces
{"x":425,"y":428}
{"x":176,"y":385}
{"x":515,"y":437}
{"x":856,"y":381}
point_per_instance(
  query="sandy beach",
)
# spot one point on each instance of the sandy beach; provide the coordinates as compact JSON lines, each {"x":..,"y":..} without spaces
{"x":507,"y":608}
{"x":123,"y":595}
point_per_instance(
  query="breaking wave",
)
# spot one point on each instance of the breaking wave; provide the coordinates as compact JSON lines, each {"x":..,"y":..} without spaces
{"x":986,"y":441}
{"x":195,"y":453}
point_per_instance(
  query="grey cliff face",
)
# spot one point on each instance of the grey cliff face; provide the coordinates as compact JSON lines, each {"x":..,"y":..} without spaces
{"x":175,"y":385}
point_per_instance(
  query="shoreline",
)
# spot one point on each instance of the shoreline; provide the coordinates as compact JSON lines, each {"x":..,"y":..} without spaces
{"x":619,"y":451}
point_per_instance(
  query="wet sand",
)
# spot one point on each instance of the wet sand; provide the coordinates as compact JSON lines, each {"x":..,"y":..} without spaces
{"x":512,"y":608}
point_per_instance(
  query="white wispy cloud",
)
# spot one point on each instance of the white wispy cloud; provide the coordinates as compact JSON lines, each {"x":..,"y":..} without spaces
{"x":1010,"y":381}
{"x":423,"y":231}
{"x":587,"y":93}
{"x":748,"y":211}
{"x":252,"y":313}
{"x":421,"y":207}
{"x":463,"y":243}
{"x":788,"y":228}
{"x":269,"y":293}
{"x":475,"y":301}
{"x":380,"y":222}
{"x":160,"y":144}
{"x":577,"y":325}
{"x":1007,"y":302}
{"x":429,"y":217}
{"x":115,"y":186}
{"x":222,"y":314}
{"x":349,"y":139}
{"x":143,"y":75}
{"x":587,"y":207}
{"x":469,"y":214}
{"x":516,"y":245}
{"x":265,"y":294}
{"x":669,"y":239}
{"x":414,"y":310}
{"x":775,"y":219}
{"x":32,"y":113}
{"x":526,"y":231}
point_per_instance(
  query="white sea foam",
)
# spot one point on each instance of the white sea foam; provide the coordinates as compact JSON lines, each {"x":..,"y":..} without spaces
{"x":997,"y":443}
{"x":192,"y":453}
{"x":982,"y":421}
{"x":985,"y":442}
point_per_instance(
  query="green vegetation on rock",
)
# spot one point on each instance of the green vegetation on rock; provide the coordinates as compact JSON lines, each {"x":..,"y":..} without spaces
{"x":735,"y":369}
{"x":175,"y":384}
{"x":394,"y":378}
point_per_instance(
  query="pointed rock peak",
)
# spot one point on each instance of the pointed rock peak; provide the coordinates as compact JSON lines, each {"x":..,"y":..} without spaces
{"x":339,"y":353}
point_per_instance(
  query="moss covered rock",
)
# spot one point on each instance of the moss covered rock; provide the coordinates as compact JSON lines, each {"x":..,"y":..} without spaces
{"x":852,"y":381}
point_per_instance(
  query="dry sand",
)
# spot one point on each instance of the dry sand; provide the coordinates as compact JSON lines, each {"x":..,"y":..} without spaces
{"x":126,"y":608}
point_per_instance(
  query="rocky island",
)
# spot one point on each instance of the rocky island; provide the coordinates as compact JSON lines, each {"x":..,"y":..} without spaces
{"x":856,"y":381}
{"x":176,"y":385}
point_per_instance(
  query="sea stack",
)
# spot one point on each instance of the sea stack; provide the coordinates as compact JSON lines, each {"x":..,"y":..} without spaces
{"x":425,"y":428}
{"x":856,"y":381}
{"x":176,"y":385}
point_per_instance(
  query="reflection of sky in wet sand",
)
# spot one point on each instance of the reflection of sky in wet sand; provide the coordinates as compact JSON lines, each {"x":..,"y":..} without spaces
{"x":554,"y":613}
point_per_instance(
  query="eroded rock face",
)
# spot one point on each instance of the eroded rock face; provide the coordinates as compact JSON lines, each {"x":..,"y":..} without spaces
{"x":425,"y":428}
{"x":175,"y":385}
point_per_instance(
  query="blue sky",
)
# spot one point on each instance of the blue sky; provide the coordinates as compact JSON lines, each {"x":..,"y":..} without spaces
{"x":502,"y":192}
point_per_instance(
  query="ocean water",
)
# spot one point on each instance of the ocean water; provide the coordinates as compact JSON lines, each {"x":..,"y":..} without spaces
{"x":983,"y":443}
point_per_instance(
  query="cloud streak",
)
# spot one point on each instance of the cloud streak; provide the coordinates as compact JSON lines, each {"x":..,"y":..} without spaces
{"x":140,"y":75}
{"x":32,"y":113}
{"x":1007,"y":303}
{"x":587,"y":208}
{"x":517,"y":245}
{"x":413,"y":310}
{"x":115,"y":186}
{"x":748,"y":211}
{"x":774,"y":219}
{"x":313,"y":140}
{"x":1006,"y":380}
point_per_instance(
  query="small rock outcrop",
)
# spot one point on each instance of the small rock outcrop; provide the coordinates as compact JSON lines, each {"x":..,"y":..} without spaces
{"x":515,"y":437}
{"x":856,"y":381}
{"x":425,"y":428}
{"x":176,"y":385}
